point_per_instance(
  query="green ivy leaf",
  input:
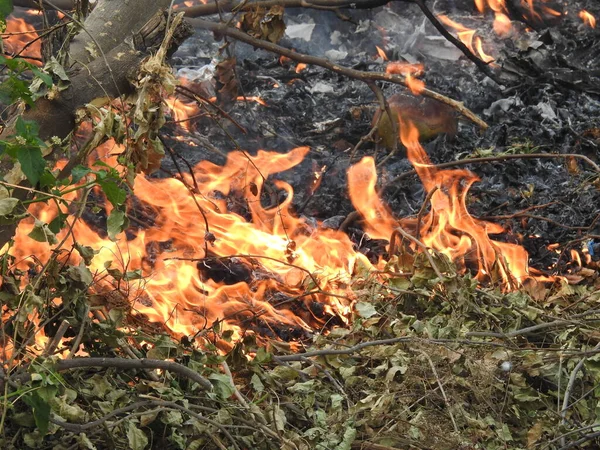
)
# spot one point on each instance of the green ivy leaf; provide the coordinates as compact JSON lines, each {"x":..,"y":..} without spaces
{"x":42,"y":233}
{"x":32,"y":162}
{"x":7,"y":205}
{"x":115,"y":194}
{"x":41,"y":410}
{"x":116,"y":223}
{"x":136,"y":437}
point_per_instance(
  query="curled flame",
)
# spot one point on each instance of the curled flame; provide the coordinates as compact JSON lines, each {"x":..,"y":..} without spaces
{"x":467,"y":37}
{"x":587,"y":18}
{"x":381,"y":53}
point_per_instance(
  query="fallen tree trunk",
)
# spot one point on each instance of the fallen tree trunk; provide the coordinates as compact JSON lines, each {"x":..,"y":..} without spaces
{"x":94,"y":73}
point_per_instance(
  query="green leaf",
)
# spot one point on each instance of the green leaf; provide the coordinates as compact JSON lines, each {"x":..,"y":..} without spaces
{"x":78,"y":173}
{"x":86,"y":252}
{"x":42,"y":233}
{"x":7,"y":205}
{"x":47,"y":79}
{"x":222,"y":385}
{"x":256,"y":383}
{"x":113,"y":192}
{"x":116,"y":223}
{"x":6,"y":7}
{"x":136,"y":437}
{"x":47,"y":180}
{"x":81,"y":274}
{"x":32,"y":162}
{"x":40,"y":409}
{"x":58,"y":222}
{"x":365,"y":309}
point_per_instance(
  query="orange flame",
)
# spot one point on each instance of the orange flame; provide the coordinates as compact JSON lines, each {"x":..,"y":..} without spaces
{"x":20,"y":38}
{"x":300,"y":67}
{"x":502,"y":24}
{"x":448,"y":228}
{"x":182,"y":111}
{"x":466,"y":36}
{"x":403,"y":68}
{"x":381,"y":53}
{"x":415,"y":85}
{"x":587,"y":18}
{"x":176,"y":293}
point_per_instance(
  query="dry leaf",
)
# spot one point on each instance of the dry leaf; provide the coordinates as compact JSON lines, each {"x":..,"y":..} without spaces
{"x":263,"y":24}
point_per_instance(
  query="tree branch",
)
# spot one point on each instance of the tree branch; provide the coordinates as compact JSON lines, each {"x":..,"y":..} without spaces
{"x":122,"y":363}
{"x":224,"y":29}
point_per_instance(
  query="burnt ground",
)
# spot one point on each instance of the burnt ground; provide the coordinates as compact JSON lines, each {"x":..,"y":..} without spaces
{"x":551,"y":104}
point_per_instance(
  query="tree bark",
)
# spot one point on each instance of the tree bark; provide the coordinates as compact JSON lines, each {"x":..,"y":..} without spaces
{"x":98,"y":74}
{"x":109,"y":24}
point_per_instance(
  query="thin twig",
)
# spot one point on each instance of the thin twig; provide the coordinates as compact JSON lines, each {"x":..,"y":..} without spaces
{"x":425,"y":251}
{"x":439,"y":382}
{"x":122,"y":363}
{"x":465,"y":162}
{"x":422,"y":211}
{"x":481,"y":65}
{"x":522,"y":331}
{"x":234,"y":33}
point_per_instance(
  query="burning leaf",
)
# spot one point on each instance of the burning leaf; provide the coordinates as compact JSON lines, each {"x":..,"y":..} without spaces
{"x":263,"y":24}
{"x":430,"y":117}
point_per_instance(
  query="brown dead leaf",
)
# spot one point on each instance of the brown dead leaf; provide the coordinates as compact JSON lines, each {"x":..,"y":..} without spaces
{"x":534,"y":434}
{"x":226,"y":82}
{"x":263,"y":24}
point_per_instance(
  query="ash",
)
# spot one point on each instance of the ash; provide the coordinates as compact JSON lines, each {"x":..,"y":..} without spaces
{"x":549,"y":103}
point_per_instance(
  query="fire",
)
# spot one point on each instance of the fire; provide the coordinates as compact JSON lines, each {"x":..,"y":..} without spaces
{"x":415,"y":85}
{"x":403,"y":68}
{"x":587,"y":18}
{"x":502,"y":25}
{"x":448,"y":228}
{"x":381,"y":53}
{"x":410,"y":71}
{"x":20,"y":38}
{"x":182,"y":111}
{"x":187,"y":262}
{"x":232,"y":252}
{"x":300,"y":67}
{"x":467,"y":37}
